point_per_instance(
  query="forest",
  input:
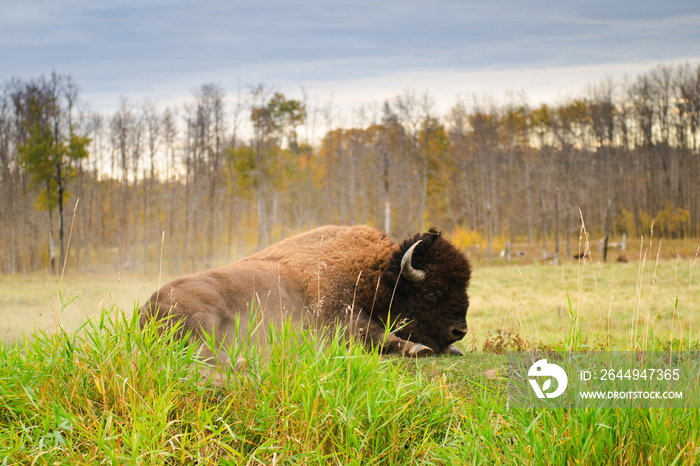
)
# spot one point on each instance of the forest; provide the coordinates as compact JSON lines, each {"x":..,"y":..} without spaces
{"x":224,"y":174}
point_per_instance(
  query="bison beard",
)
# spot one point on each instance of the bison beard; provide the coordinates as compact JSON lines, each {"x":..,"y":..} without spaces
{"x":356,"y":277}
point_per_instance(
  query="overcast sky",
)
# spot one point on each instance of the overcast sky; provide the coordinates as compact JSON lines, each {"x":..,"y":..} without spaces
{"x":355,"y":51}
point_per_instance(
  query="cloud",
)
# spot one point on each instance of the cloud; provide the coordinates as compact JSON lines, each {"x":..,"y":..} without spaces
{"x":540,"y":85}
{"x":133,"y":47}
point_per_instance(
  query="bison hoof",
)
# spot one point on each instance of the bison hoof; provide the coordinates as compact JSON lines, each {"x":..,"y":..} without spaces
{"x":419,"y":351}
{"x":453,"y":350}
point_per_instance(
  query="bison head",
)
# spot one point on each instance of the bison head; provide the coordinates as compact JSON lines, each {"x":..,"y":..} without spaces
{"x":428,"y":277}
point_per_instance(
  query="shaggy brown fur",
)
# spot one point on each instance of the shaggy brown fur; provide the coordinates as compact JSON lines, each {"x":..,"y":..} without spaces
{"x":333,"y":275}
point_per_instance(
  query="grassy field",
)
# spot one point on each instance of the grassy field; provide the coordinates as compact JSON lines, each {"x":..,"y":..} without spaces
{"x":531,"y":299}
{"x":112,"y":394}
{"x":32,"y":301}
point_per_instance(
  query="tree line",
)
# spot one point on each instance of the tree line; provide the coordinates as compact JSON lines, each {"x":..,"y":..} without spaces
{"x":223,"y":175}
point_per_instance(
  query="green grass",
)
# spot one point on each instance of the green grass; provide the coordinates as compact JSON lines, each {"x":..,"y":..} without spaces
{"x":111,"y":393}
{"x":114,"y":394}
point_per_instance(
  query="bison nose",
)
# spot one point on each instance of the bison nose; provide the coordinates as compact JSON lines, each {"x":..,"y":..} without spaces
{"x":457,"y":331}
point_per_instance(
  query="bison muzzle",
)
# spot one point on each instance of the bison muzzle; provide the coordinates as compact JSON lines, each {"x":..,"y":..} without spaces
{"x":355,"y":277}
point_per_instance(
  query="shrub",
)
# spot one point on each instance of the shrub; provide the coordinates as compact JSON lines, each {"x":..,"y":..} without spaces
{"x":672,"y":221}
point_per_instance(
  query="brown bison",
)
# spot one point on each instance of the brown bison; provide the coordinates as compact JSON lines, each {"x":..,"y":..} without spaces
{"x":356,"y":277}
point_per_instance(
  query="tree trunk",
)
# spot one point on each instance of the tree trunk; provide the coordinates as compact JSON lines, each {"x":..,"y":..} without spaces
{"x":544,"y":227}
{"x":605,"y":248}
{"x":528,"y":197}
{"x":59,"y":183}
{"x":52,"y":251}
{"x":146,"y":220}
{"x":490,"y":230}
{"x":387,"y":200}
{"x":556,"y":227}
{"x":262,"y":229}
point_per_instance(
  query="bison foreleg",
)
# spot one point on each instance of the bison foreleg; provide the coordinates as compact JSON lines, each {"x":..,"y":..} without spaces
{"x":374,"y":335}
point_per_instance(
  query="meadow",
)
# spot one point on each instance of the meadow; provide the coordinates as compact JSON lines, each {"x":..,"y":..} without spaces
{"x":105,"y":392}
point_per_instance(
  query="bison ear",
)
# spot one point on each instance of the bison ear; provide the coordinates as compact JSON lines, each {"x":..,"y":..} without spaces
{"x":407,"y":269}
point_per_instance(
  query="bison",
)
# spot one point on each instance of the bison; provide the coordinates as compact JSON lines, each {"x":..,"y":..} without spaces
{"x":352,"y":276}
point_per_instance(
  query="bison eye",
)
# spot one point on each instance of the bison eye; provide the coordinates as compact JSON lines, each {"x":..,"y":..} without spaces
{"x":432,"y":296}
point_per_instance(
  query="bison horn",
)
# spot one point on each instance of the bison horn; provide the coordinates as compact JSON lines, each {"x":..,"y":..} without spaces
{"x":407,"y":269}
